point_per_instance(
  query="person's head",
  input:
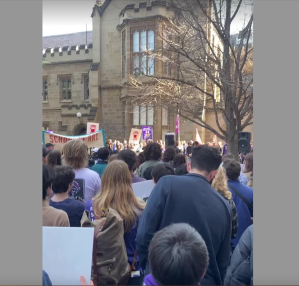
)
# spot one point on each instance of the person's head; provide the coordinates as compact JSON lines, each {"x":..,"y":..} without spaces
{"x":49,"y":146}
{"x":181,"y":170}
{"x":190,"y":143}
{"x":160,"y":171}
{"x":220,"y":184}
{"x":248,"y":162}
{"x":169,"y":154}
{"x":64,"y":180}
{"x":178,"y":255}
{"x":113,"y":157}
{"x":140,"y":159}
{"x":103,"y":154}
{"x":45,"y":153}
{"x":147,"y":174}
{"x":48,"y":178}
{"x":228,"y":156}
{"x":232,"y":169}
{"x":115,"y":152}
{"x":152,"y":151}
{"x":195,"y":144}
{"x":206,"y":161}
{"x":129,"y":157}
{"x":75,"y":154}
{"x":54,"y":158}
{"x":178,"y":160}
{"x":117,"y":193}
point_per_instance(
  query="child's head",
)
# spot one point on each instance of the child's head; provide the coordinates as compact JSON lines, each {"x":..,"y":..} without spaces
{"x":178,"y":255}
{"x":160,"y":171}
{"x":64,"y":178}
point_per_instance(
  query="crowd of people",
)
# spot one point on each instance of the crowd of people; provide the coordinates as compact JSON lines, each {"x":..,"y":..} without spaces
{"x":194,"y":228}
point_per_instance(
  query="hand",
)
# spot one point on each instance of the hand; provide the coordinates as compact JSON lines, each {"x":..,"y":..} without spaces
{"x":83,"y":282}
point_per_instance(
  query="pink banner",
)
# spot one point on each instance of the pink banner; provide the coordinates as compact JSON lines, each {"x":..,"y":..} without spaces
{"x":177,"y":124}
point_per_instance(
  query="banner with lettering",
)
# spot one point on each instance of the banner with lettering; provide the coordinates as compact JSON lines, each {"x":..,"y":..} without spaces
{"x":94,"y":140}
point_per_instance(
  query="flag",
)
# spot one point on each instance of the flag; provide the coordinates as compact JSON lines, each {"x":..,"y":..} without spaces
{"x":177,"y":124}
{"x":197,"y":138}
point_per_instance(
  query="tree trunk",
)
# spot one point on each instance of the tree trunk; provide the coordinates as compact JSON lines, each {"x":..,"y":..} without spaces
{"x":232,"y":146}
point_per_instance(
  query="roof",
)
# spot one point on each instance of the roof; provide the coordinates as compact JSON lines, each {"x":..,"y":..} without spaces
{"x":100,"y":9}
{"x":67,"y":40}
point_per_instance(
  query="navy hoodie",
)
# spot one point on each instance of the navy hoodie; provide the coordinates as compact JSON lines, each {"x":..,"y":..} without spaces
{"x":189,"y":199}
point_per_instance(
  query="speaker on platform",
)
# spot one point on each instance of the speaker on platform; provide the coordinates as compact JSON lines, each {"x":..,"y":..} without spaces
{"x":244,"y":142}
{"x":169,"y":139}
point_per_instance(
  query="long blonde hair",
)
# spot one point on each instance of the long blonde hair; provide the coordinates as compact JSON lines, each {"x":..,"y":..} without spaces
{"x":75,"y":154}
{"x":220,"y":184}
{"x":117,"y":193}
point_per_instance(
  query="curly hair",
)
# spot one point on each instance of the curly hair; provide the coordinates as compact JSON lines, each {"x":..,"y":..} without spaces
{"x":75,"y":154}
{"x":220,"y":184}
{"x":169,"y":154}
{"x":153,"y":152}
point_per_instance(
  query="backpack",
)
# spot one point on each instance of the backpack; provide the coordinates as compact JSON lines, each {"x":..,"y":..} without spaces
{"x":109,"y":249}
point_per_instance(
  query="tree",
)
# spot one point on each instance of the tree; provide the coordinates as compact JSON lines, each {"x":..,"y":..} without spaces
{"x":206,"y":70}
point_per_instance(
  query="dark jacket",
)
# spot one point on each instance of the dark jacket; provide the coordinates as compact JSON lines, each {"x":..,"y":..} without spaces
{"x":244,"y":213}
{"x":240,"y":271}
{"x":189,"y":199}
{"x":46,"y":279}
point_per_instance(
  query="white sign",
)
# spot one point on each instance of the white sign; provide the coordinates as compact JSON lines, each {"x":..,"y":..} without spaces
{"x":143,"y":189}
{"x":135,"y":136}
{"x":67,"y":254}
{"x":92,"y":127}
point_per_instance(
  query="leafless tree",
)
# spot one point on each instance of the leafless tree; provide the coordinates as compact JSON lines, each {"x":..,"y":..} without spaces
{"x":205,"y":70}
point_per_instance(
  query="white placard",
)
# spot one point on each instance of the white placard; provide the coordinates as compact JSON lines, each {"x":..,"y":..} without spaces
{"x":143,"y":189}
{"x":135,"y":136}
{"x":67,"y":254}
{"x":92,"y":127}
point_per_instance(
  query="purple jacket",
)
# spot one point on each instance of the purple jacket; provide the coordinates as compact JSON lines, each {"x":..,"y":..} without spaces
{"x":149,"y":280}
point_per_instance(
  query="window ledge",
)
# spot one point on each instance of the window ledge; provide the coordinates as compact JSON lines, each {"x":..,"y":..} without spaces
{"x":70,"y":101}
{"x":45,"y":101}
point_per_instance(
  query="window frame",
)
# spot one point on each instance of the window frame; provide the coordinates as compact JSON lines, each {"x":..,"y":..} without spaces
{"x":149,"y":71}
{"x":69,"y":88}
{"x":45,"y":97}
{"x":147,"y":108}
{"x":86,"y":89}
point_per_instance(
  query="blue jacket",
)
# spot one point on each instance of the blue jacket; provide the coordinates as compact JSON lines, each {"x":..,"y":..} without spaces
{"x":46,"y":279}
{"x":189,"y":199}
{"x":244,"y":214}
{"x":240,"y":271}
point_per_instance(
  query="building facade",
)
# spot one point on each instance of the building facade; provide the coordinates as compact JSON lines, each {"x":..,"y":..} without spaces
{"x":88,"y":73}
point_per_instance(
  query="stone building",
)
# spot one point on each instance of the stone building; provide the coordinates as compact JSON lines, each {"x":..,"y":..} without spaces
{"x":87,"y":73}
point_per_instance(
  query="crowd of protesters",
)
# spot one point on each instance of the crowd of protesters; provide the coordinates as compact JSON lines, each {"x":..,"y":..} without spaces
{"x":195,"y":227}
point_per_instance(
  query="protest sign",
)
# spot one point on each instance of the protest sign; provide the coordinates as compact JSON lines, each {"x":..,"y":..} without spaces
{"x":147,"y":133}
{"x":143,"y":189}
{"x":96,"y":139}
{"x":92,"y":127}
{"x":67,"y":254}
{"x":135,"y":136}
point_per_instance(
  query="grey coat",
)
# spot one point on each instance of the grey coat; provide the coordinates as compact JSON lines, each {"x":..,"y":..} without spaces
{"x":240,"y":271}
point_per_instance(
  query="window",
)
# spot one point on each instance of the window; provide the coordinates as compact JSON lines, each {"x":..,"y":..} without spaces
{"x":164,"y":117}
{"x":124,"y":56}
{"x":66,"y":88}
{"x":143,"y":115}
{"x":45,"y":90}
{"x":167,"y":65}
{"x":143,"y":41}
{"x":86,"y":87}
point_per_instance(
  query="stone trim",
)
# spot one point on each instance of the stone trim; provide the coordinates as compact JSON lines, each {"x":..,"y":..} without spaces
{"x":94,"y":66}
{"x":100,"y":9}
{"x":67,"y":49}
{"x":146,"y":5}
{"x":71,"y":62}
{"x":143,"y":19}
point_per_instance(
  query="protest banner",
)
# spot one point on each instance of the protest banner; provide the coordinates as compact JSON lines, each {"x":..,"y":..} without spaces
{"x":92,"y":127}
{"x":135,"y":136}
{"x":147,"y":133}
{"x":96,"y":139}
{"x":143,"y":190}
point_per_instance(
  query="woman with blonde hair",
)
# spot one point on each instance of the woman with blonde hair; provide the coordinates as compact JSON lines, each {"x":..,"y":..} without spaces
{"x":220,"y":185}
{"x":87,"y":181}
{"x":117,"y":194}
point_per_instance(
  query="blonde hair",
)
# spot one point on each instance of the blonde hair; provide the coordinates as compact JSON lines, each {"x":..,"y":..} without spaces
{"x":117,"y":193}
{"x":220,"y":184}
{"x":75,"y":154}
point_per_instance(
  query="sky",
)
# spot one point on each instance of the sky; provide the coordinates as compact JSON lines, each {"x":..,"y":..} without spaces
{"x":71,"y":16}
